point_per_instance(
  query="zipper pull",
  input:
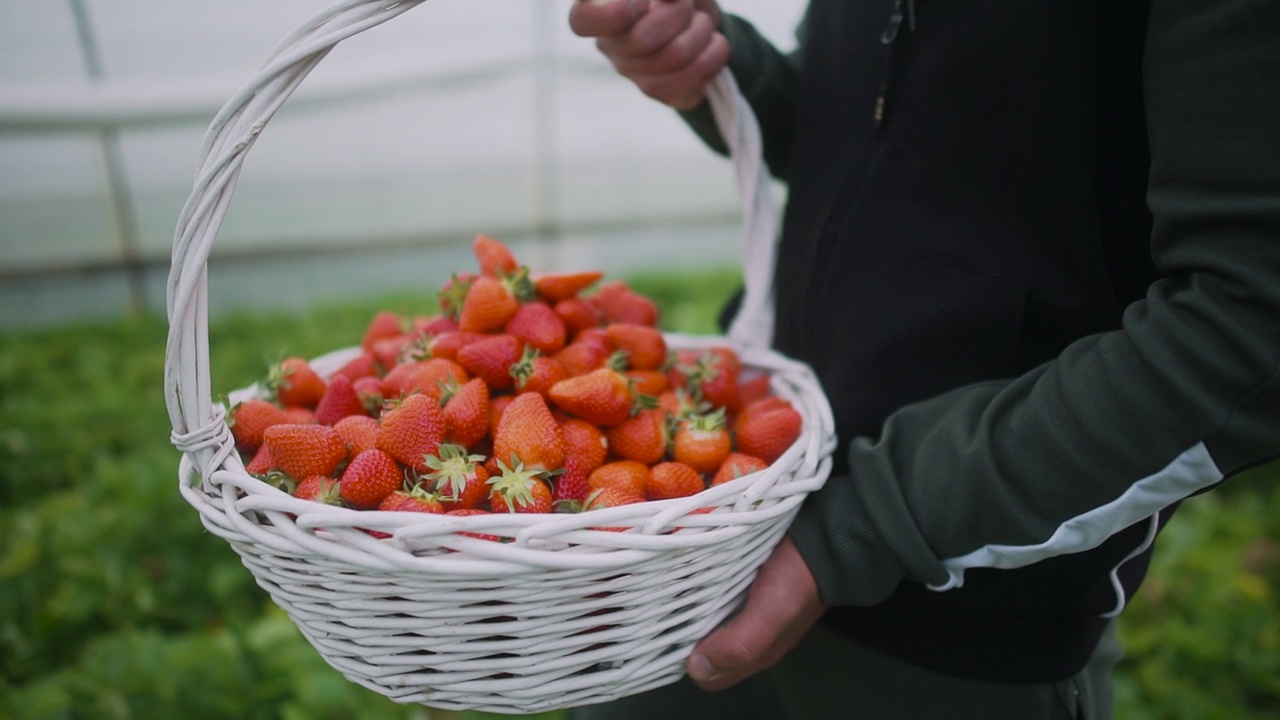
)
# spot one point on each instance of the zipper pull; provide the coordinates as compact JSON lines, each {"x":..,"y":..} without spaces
{"x":895,"y":21}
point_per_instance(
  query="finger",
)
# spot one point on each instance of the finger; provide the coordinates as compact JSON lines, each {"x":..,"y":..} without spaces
{"x":678,"y":53}
{"x":661,"y":24}
{"x":605,"y":18}
{"x":686,"y":89}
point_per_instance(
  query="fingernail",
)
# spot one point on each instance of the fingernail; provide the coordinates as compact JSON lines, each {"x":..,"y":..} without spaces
{"x":701,"y":669}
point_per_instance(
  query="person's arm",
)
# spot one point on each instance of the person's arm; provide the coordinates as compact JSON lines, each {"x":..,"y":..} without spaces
{"x":1122,"y":424}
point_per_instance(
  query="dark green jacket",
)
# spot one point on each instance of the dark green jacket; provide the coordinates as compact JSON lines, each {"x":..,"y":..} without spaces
{"x":1032,"y":250}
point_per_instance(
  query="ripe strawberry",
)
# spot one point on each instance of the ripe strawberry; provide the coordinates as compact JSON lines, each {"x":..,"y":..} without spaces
{"x":432,"y":325}
{"x":493,"y":257}
{"x":415,"y":500}
{"x":262,"y":461}
{"x":359,"y":432}
{"x":536,"y":373}
{"x":644,"y":346}
{"x":466,"y":410}
{"x":537,"y":325}
{"x":340,"y":400}
{"x":458,"y":479}
{"x":491,"y":359}
{"x":447,"y":344}
{"x":517,"y":489}
{"x":627,"y":474}
{"x":497,"y":407}
{"x":369,"y":478}
{"x":369,"y":390}
{"x":585,"y":450}
{"x":384,"y":324}
{"x":735,"y":466}
{"x":555,"y":287}
{"x":582,"y":356}
{"x":754,"y":389}
{"x":301,"y":451}
{"x":299,"y":416}
{"x":295,"y":384}
{"x":462,"y":512}
{"x":454,"y":292}
{"x":249,"y":419}
{"x":577,"y":315}
{"x":717,"y":378}
{"x":361,"y":366}
{"x":422,"y":376}
{"x":642,"y":437}
{"x":529,"y":433}
{"x":319,"y":488}
{"x":611,"y":496}
{"x":673,"y":480}
{"x":490,"y":303}
{"x":618,"y":303}
{"x":767,"y":432}
{"x":388,"y":351}
{"x":412,"y":430}
{"x":702,"y":441}
{"x":602,"y":396}
{"x":647,"y":382}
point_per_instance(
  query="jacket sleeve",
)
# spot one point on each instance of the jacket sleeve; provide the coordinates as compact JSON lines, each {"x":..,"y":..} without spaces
{"x":767,"y":79}
{"x":1121,"y":424}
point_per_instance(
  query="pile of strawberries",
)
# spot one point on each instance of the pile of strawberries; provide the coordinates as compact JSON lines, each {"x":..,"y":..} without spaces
{"x":527,"y":394}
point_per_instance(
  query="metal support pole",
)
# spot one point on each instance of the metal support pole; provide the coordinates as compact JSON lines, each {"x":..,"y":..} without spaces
{"x":546,"y":171}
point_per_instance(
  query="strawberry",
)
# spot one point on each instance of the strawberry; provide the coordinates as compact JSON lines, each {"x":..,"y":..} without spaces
{"x":642,"y":438}
{"x":648,"y":382}
{"x":261,"y":462}
{"x":492,"y":301}
{"x":359,"y":432}
{"x":537,"y":373}
{"x":673,"y":480}
{"x":582,"y":356}
{"x":466,"y":410}
{"x":528,"y":433}
{"x":519,"y":490}
{"x":493,"y":257}
{"x":415,"y":500}
{"x":554,"y":287}
{"x":702,"y":441}
{"x":361,"y":366}
{"x":296,"y":384}
{"x":249,"y":419}
{"x":611,"y":496}
{"x":369,"y":478}
{"x":299,"y":416}
{"x":627,"y":474}
{"x":497,"y":406}
{"x":319,"y":488}
{"x":387,"y":351}
{"x":767,"y":432}
{"x":454,"y":292}
{"x":447,"y":344}
{"x":717,"y":378}
{"x":422,"y":376}
{"x":602,"y":396}
{"x":537,"y":325}
{"x":301,"y":451}
{"x":585,"y":450}
{"x":644,"y":346}
{"x":735,"y":466}
{"x":369,"y":390}
{"x":412,"y":430}
{"x":432,"y":325}
{"x":618,"y":303}
{"x":458,"y":479}
{"x":462,"y":512}
{"x":577,"y":315}
{"x":754,"y":389}
{"x":340,"y":400}
{"x":491,"y":359}
{"x":384,"y":324}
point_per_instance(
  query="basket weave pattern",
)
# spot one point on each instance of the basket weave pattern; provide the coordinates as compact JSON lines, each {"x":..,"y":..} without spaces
{"x":566,"y":610}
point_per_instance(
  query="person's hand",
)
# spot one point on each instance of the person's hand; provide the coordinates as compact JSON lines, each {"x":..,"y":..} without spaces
{"x":669,"y":48}
{"x":781,"y":606}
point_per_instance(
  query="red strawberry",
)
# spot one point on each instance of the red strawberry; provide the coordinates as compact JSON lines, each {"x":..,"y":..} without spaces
{"x":319,"y":488}
{"x":369,"y":390}
{"x":642,"y":437}
{"x":296,"y":384}
{"x":529,"y":433}
{"x":618,"y":303}
{"x":262,"y":462}
{"x":585,"y":450}
{"x":433,"y":325}
{"x":555,"y":287}
{"x":383,"y":325}
{"x":447,"y":344}
{"x":249,"y":419}
{"x":493,"y":257}
{"x":536,"y":324}
{"x":361,"y":366}
{"x":577,"y":315}
{"x":627,"y":474}
{"x":466,"y":411}
{"x":611,"y":496}
{"x":415,"y":500}
{"x":644,"y":346}
{"x":491,"y":359}
{"x":702,"y":441}
{"x":369,"y":478}
{"x":517,"y":489}
{"x":474,"y":511}
{"x":582,"y":356}
{"x":536,"y":372}
{"x":767,"y":432}
{"x":458,"y":479}
{"x":388,"y":351}
{"x":340,"y":400}
{"x":756,"y":388}
{"x":454,"y":292}
{"x":489,"y":304}
{"x":412,"y":430}
{"x":422,"y":376}
{"x":301,"y":451}
{"x":359,"y":432}
{"x":647,"y":382}
{"x":497,"y":406}
{"x":300,"y":416}
{"x":602,"y":396}
{"x":735,"y":466}
{"x":673,"y":480}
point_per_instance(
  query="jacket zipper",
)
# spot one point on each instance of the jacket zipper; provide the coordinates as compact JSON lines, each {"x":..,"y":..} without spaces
{"x":887,"y":38}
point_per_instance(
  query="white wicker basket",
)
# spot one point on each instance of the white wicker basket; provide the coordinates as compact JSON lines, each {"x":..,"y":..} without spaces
{"x":562,"y":614}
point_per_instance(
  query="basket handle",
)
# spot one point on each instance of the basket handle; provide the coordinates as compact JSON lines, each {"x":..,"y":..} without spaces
{"x":198,"y":427}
